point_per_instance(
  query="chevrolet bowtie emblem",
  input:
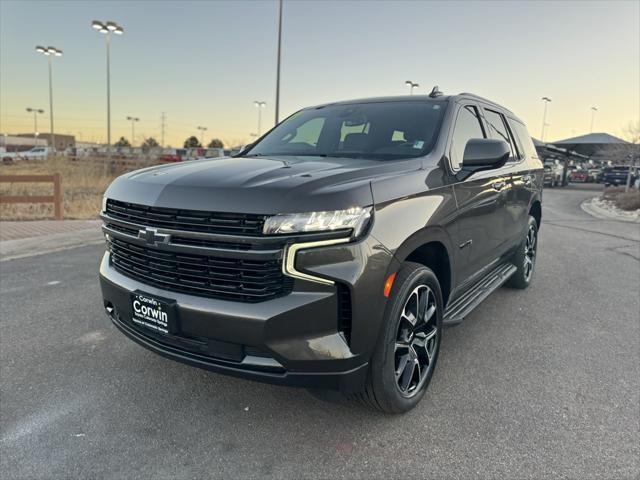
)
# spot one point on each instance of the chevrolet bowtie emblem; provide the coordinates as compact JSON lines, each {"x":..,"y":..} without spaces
{"x":152,"y":237}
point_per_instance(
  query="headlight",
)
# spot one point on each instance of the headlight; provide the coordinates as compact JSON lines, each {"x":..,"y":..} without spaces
{"x":355,"y":218}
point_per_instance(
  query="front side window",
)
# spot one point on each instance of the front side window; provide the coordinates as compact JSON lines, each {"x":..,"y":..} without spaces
{"x":375,"y":130}
{"x":499,"y":130}
{"x":468,"y":126}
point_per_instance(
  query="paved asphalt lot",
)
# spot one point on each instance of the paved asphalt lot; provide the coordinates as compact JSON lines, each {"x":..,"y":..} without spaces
{"x":537,"y":383}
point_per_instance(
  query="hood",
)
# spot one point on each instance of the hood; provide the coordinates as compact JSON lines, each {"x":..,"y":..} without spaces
{"x":261,"y":185}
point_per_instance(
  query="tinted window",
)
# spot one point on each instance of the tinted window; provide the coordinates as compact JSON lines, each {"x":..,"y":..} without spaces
{"x":499,"y":129}
{"x":376,"y":130}
{"x":468,"y":126}
{"x":524,"y":139}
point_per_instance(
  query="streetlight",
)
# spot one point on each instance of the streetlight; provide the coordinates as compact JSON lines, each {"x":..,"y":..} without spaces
{"x":546,"y":101}
{"x":202,"y":130}
{"x":133,"y":121}
{"x":50,"y":52}
{"x":35,"y":112}
{"x":411,"y":86}
{"x":108,"y":28}
{"x":279,"y":55}
{"x":593,"y":115}
{"x":260,"y":106}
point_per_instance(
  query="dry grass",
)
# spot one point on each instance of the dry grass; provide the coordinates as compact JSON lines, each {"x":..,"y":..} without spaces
{"x":623,"y":200}
{"x":83,"y":184}
{"x":611,"y":193}
{"x":628,"y":201}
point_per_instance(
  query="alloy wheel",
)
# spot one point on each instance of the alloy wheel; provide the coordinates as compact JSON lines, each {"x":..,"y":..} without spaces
{"x":530,"y":252}
{"x":416,"y":341}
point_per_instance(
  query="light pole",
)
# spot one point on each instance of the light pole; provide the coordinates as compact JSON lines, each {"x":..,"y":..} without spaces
{"x":202,"y":130}
{"x":593,"y":116}
{"x":133,"y":121}
{"x":259,"y":106}
{"x":546,"y":101}
{"x":50,"y":52}
{"x":35,"y":112}
{"x":278,"y":67}
{"x":411,"y":86}
{"x":108,"y":28}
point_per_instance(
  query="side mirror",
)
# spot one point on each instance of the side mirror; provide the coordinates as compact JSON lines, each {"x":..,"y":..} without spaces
{"x":484,"y":154}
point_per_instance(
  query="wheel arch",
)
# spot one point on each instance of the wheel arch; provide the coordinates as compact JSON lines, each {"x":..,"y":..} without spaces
{"x":431,"y":248}
{"x":535,"y":210}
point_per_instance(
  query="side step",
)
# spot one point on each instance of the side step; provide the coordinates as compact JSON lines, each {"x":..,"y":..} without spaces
{"x":458,"y":310}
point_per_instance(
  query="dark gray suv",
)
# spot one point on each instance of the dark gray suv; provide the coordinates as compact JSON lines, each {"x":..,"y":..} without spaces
{"x":330,"y":253}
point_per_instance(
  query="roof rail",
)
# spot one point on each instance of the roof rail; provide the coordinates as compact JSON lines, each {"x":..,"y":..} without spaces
{"x":435,"y":92}
{"x":478,"y":97}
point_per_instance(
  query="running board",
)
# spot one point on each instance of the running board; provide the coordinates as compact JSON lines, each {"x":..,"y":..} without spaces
{"x":458,"y":310}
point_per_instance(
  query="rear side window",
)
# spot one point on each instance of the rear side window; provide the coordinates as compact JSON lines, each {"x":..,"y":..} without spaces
{"x":499,"y":130}
{"x":523,"y":138}
{"x":468,"y":126}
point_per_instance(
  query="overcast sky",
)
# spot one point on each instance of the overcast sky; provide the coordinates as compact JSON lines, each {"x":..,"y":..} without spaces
{"x":205,"y":62}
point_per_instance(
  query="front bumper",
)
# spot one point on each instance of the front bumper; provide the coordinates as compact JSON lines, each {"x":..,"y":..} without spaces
{"x":292,"y":340}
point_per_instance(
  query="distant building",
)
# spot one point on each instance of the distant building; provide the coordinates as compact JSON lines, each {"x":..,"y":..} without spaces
{"x":62,"y":141}
{"x":15,"y":143}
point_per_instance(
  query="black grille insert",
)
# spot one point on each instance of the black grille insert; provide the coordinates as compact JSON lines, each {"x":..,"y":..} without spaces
{"x":189,"y":220}
{"x":224,"y":278}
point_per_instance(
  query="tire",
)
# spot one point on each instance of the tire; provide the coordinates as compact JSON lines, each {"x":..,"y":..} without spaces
{"x":414,"y":285}
{"x":525,"y":257}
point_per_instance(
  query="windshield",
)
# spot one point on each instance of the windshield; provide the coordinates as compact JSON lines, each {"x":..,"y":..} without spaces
{"x":378,"y":130}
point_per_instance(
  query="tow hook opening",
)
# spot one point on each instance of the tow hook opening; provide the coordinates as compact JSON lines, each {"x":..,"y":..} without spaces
{"x":109,"y":309}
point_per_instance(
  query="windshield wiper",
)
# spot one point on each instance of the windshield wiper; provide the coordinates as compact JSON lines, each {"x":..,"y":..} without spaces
{"x":340,"y":155}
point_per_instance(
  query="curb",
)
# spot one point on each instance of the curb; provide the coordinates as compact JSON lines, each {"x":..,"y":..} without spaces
{"x":594,"y":210}
{"x":28,"y":247}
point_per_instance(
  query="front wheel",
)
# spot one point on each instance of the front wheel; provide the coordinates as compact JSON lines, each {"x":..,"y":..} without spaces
{"x":525,"y":257}
{"x":407,"y":351}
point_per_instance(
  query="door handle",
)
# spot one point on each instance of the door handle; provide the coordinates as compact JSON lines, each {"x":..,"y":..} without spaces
{"x":498,"y":185}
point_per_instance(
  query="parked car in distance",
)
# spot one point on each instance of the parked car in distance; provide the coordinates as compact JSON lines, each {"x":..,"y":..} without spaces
{"x":172,"y":155}
{"x":617,"y":175}
{"x":593,"y":173}
{"x":31,"y":154}
{"x":330,"y":253}
{"x":553,"y":174}
{"x":579,"y":176}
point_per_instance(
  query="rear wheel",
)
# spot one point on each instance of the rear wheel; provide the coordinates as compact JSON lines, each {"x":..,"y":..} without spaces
{"x":407,"y":351}
{"x":525,"y":257}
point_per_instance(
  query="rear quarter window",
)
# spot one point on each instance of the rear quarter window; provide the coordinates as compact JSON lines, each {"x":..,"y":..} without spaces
{"x":523,"y":138}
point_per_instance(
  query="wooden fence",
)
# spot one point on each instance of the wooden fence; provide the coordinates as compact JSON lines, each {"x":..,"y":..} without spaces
{"x":56,"y":198}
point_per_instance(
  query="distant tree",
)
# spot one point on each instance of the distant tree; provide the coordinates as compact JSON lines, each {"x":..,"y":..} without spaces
{"x":123,"y":142}
{"x":215,"y":143}
{"x":192,"y":142}
{"x":632,"y":132}
{"x":149,"y":143}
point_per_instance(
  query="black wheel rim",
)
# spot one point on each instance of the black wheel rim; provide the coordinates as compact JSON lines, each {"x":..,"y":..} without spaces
{"x":416,"y":341}
{"x":530,"y":252}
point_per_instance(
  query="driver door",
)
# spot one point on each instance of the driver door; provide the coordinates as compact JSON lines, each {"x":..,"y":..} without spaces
{"x":479,"y":201}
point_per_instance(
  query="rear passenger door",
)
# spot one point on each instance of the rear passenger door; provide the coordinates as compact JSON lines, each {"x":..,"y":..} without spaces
{"x":479,"y":200}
